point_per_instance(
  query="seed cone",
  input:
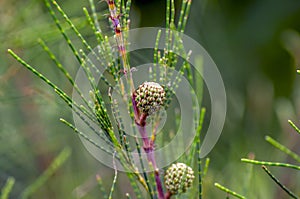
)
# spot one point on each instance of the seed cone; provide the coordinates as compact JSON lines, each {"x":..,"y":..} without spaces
{"x":178,"y":178}
{"x":149,"y":97}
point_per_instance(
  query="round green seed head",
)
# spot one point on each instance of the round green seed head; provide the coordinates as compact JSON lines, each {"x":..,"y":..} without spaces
{"x":178,"y":178}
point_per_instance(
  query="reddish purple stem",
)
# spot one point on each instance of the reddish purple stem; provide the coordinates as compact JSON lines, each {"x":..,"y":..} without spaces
{"x":148,"y":146}
{"x":168,"y":195}
{"x":149,"y":149}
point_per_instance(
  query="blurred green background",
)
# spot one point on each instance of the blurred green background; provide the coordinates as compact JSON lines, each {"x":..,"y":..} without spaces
{"x":255,"y":44}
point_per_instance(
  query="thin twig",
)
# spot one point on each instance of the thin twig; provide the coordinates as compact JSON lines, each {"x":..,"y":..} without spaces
{"x":282,"y":148}
{"x":294,"y":126}
{"x":115,"y":178}
{"x":7,"y":188}
{"x":229,"y":191}
{"x":290,"y":193}
{"x":279,"y":164}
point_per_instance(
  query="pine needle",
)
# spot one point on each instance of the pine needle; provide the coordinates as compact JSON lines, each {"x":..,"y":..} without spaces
{"x":229,"y":191}
{"x":294,"y":126}
{"x":290,"y":193}
{"x":41,"y":180}
{"x":283,"y":148}
{"x":278,"y":164}
{"x":7,"y":188}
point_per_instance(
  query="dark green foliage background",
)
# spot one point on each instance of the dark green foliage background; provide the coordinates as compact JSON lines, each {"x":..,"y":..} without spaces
{"x":255,"y":44}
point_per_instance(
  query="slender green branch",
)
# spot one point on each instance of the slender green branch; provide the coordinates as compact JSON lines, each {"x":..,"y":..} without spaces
{"x":85,"y":136}
{"x":7,"y":188}
{"x":127,"y":11}
{"x":196,"y":145}
{"x":186,"y":15}
{"x":278,"y":164}
{"x":88,"y":64}
{"x":172,"y":22}
{"x":181,"y":15}
{"x":92,"y":4}
{"x":282,"y":148}
{"x":98,"y":35}
{"x":103,"y":53}
{"x":205,"y":169}
{"x":64,"y":71}
{"x":54,"y":166}
{"x":133,"y":183}
{"x":294,"y":126}
{"x":103,"y":50}
{"x":73,"y":105}
{"x":168,"y":12}
{"x":62,"y":31}
{"x":200,"y":176}
{"x":115,"y":178}
{"x":155,"y":57}
{"x":229,"y":191}
{"x":290,"y":193}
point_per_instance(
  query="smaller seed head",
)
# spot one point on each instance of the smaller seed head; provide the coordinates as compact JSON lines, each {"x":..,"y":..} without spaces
{"x":178,"y":178}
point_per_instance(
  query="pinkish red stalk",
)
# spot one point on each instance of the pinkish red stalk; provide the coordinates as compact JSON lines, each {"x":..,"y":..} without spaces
{"x":148,"y":145}
{"x":140,"y":120}
{"x":115,"y":18}
{"x":159,"y":187}
{"x":168,"y":195}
